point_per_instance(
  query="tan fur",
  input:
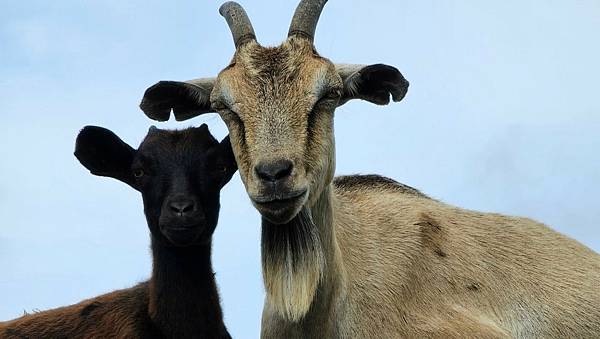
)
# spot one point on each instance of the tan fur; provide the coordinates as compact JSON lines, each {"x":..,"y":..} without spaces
{"x":415,"y":267}
{"x":437,"y":265}
{"x":395,"y":263}
{"x":260,"y":89}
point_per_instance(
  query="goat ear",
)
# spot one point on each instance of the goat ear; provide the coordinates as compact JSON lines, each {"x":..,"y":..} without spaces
{"x":186,"y":99}
{"x":373,"y":83}
{"x":228,"y":159}
{"x":103,"y":153}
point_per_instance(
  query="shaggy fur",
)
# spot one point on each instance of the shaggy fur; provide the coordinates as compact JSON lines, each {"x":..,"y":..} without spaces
{"x":293,"y":264}
{"x":180,"y":300}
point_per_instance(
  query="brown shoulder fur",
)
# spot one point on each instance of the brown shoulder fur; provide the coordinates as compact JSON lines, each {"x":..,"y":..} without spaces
{"x":120,"y":314}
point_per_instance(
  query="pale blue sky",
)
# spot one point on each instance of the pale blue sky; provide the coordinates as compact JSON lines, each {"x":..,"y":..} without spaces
{"x":502,"y":115}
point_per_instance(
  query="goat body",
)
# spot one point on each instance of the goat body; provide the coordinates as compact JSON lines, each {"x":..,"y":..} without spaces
{"x":399,"y":263}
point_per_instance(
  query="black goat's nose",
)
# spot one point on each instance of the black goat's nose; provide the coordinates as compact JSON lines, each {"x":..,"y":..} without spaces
{"x":274,"y":170}
{"x":182,"y":207}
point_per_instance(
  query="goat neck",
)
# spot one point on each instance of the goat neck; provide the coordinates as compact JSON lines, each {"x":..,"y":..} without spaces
{"x":183,"y":297}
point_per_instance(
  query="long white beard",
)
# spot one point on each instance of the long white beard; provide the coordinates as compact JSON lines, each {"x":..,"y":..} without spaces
{"x":293,"y":264}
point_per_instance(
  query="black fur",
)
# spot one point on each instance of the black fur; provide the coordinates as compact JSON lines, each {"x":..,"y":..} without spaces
{"x":375,"y":83}
{"x":103,"y":153}
{"x":186,"y":100}
{"x":182,"y":298}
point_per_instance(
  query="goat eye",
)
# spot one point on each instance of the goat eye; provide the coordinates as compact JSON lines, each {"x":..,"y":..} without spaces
{"x":138,"y":173}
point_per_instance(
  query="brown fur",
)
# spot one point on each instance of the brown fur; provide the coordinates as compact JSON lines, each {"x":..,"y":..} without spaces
{"x":120,"y":314}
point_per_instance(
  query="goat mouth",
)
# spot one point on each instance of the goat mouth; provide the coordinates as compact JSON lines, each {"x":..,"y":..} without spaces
{"x":183,"y":235}
{"x":279,"y":199}
{"x":279,"y":209}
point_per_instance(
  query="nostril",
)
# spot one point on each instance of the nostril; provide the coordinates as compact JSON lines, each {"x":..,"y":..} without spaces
{"x":285,"y":170}
{"x":181,"y":207}
{"x":188,"y":208}
{"x":274,"y":170}
{"x":174,"y":209}
{"x":261,"y":172}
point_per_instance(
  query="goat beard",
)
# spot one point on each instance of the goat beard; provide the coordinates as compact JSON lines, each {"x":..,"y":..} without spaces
{"x":293,"y":264}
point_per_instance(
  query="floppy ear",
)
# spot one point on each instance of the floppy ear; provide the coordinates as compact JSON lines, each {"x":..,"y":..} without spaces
{"x":228,"y":159}
{"x":374,"y":83}
{"x":103,"y":153}
{"x":187,"y":99}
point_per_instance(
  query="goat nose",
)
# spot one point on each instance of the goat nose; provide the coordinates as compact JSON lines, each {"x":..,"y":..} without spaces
{"x":182,"y":207}
{"x":274,"y":170}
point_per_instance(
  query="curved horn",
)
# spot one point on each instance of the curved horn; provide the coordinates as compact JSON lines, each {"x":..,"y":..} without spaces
{"x":238,"y":22}
{"x":304,"y":22}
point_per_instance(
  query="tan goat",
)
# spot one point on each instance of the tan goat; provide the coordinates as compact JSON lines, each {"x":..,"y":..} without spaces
{"x":365,"y":256}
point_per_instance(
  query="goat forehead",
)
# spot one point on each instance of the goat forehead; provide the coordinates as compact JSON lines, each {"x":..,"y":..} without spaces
{"x":273,"y":79}
{"x":170,"y":161}
{"x":179,"y":143}
{"x":263,"y":64}
{"x":285,"y":63}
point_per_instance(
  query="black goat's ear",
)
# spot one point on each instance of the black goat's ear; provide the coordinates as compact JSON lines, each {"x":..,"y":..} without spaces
{"x":186,"y":99}
{"x":373,"y":83}
{"x":103,"y":153}
{"x":227,"y":159}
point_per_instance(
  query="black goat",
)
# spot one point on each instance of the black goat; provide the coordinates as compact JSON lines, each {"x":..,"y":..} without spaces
{"x":180,"y":175}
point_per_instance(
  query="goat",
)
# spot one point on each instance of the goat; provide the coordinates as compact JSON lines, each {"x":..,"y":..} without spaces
{"x":180,"y":175}
{"x":365,"y":256}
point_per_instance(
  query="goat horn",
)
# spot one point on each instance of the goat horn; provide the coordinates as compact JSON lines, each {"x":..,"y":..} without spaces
{"x":304,"y":22}
{"x":239,"y":23}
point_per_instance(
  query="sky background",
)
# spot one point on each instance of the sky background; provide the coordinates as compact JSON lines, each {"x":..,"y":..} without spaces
{"x":502,"y":115}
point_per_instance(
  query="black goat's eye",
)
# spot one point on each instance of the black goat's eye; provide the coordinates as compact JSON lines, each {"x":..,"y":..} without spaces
{"x":138,"y":173}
